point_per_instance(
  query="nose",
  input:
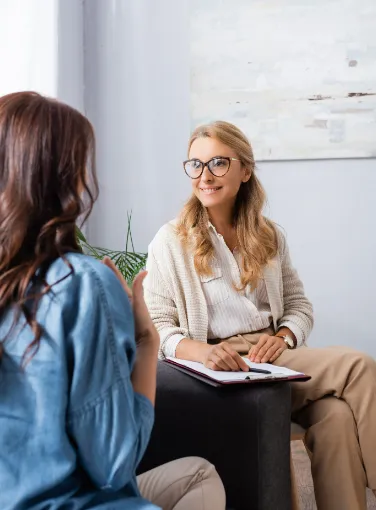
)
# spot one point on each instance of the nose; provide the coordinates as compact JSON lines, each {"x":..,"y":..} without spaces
{"x":206,"y":176}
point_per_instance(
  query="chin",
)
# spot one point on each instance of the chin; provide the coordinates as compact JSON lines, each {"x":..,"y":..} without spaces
{"x":215,"y":200}
{"x":210,"y":201}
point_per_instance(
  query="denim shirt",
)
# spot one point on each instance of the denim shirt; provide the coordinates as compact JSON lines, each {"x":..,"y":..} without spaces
{"x":72,"y":430}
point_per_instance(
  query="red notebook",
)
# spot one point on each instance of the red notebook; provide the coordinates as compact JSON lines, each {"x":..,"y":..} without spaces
{"x":259,"y":373}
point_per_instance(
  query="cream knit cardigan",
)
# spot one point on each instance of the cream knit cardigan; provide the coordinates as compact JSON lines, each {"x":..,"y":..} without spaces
{"x":176,"y":301}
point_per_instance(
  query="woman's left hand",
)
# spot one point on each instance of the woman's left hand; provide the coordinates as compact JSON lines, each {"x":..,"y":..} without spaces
{"x":267,"y":349}
{"x":144,"y":328}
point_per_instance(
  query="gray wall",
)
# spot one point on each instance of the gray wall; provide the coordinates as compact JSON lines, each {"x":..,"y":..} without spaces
{"x":327,"y":209}
{"x":137,"y":95}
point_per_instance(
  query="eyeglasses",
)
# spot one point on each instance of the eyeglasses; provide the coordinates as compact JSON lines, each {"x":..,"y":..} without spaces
{"x":218,"y":166}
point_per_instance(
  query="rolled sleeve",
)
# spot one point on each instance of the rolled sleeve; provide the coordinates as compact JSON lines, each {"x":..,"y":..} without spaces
{"x":296,"y":330}
{"x":298,"y":312}
{"x":170,"y":344}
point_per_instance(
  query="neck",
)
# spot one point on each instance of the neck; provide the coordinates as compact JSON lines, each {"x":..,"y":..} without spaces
{"x":221,"y":218}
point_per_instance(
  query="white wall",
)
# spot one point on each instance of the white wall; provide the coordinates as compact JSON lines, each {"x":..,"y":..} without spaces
{"x":70,"y":53}
{"x":137,"y":95}
{"x":327,"y":209}
{"x":41,"y":48}
{"x":28,"y":46}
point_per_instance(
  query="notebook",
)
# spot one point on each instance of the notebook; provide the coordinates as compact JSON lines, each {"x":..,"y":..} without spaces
{"x":217,"y":378}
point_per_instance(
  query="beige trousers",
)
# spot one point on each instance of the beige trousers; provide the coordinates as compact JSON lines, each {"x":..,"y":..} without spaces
{"x":338,"y":409}
{"x":191,"y":483}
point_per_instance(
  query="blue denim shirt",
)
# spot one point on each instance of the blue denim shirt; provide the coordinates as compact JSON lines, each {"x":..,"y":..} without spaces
{"x":72,"y":430}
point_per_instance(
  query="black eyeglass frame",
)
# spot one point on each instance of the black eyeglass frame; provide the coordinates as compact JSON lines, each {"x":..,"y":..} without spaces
{"x":207,"y":164}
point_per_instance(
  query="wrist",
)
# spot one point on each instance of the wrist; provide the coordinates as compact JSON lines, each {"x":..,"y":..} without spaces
{"x":148,"y":336}
{"x":286,"y":332}
{"x":192,"y":350}
{"x":148,"y":343}
{"x":202,"y":351}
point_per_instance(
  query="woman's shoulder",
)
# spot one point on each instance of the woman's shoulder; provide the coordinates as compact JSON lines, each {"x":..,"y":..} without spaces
{"x":78,"y":272}
{"x":77,"y":264}
{"x":166,"y":237}
{"x":280,"y":238}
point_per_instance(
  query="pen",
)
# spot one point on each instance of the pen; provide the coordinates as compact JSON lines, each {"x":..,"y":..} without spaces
{"x":259,"y":370}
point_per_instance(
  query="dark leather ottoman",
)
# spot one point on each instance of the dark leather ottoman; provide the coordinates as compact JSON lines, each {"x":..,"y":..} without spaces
{"x":243,"y":430}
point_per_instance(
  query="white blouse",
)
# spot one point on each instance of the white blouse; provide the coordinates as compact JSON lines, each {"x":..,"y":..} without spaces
{"x":230,"y":311}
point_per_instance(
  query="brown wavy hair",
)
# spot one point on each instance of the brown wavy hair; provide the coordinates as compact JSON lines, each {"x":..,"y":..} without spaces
{"x":256,"y":234}
{"x":47,"y":181}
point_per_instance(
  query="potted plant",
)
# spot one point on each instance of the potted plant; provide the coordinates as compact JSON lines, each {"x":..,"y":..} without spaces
{"x":129,"y":262}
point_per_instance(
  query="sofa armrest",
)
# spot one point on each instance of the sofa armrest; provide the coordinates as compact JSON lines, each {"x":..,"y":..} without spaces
{"x":243,"y":430}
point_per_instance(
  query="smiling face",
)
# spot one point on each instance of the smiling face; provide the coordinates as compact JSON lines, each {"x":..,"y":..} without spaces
{"x":217,"y":192}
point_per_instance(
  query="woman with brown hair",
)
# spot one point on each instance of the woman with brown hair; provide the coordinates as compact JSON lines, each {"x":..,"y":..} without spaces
{"x":221,"y":286}
{"x":77,"y":363}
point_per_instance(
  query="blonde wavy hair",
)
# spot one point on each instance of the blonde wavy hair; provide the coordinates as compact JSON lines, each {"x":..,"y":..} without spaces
{"x":256,"y":234}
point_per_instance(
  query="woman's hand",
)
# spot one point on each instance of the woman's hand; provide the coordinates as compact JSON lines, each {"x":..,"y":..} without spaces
{"x":223,"y":357}
{"x":144,"y":328}
{"x":267,"y":349}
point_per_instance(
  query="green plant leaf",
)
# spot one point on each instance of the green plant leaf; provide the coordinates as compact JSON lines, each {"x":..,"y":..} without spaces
{"x":80,"y":236}
{"x":129,"y":262}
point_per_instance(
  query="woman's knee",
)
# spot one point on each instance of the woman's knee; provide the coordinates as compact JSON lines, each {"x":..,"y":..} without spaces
{"x":204,"y":467}
{"x":196,"y":466}
{"x":193,"y":464}
{"x":366,"y":361}
{"x":212,"y":485}
{"x":363,"y":361}
{"x":205,"y":473}
{"x":332,"y":421}
{"x":341,"y":417}
{"x":347,"y":358}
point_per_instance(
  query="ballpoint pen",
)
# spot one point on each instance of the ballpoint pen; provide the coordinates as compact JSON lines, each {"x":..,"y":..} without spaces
{"x":259,"y":370}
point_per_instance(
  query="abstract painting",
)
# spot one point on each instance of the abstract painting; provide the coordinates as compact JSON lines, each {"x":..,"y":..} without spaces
{"x":297,"y":76}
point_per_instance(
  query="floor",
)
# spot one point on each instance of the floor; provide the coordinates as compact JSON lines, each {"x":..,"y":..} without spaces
{"x":304,"y":479}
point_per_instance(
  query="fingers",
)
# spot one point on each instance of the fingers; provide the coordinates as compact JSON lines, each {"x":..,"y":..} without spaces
{"x":212,"y":366}
{"x":254,"y":354}
{"x":227,"y":360}
{"x":273,"y":348}
{"x":223,"y":357}
{"x":239,"y":361}
{"x":218,"y":363}
{"x":267,"y":350}
{"x":264,"y":349}
{"x":111,"y":265}
{"x":137,"y":288}
{"x":277,"y":354}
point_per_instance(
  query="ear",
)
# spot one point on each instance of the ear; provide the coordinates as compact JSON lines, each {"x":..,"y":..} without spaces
{"x":246,"y":174}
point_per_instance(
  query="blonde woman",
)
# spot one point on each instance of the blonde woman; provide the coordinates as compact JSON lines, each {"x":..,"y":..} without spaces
{"x":221,"y":285}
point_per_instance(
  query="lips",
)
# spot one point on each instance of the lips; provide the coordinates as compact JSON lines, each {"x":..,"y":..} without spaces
{"x":209,"y":191}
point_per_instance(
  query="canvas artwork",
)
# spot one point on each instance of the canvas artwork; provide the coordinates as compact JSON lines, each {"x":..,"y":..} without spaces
{"x":298,"y":76}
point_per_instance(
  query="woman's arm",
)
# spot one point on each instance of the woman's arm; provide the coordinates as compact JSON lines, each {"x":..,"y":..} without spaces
{"x":110,"y":413}
{"x":192,"y":350}
{"x":144,"y":374}
{"x":162,"y":309}
{"x":174,"y":340}
{"x":298,"y":311}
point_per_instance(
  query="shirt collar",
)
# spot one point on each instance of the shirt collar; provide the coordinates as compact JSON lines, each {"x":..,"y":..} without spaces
{"x":212,"y":228}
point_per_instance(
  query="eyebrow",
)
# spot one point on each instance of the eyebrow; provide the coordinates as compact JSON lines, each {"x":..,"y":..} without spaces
{"x":213,"y":157}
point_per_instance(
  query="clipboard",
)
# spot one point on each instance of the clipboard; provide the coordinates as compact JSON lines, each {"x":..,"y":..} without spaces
{"x":222,"y":379}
